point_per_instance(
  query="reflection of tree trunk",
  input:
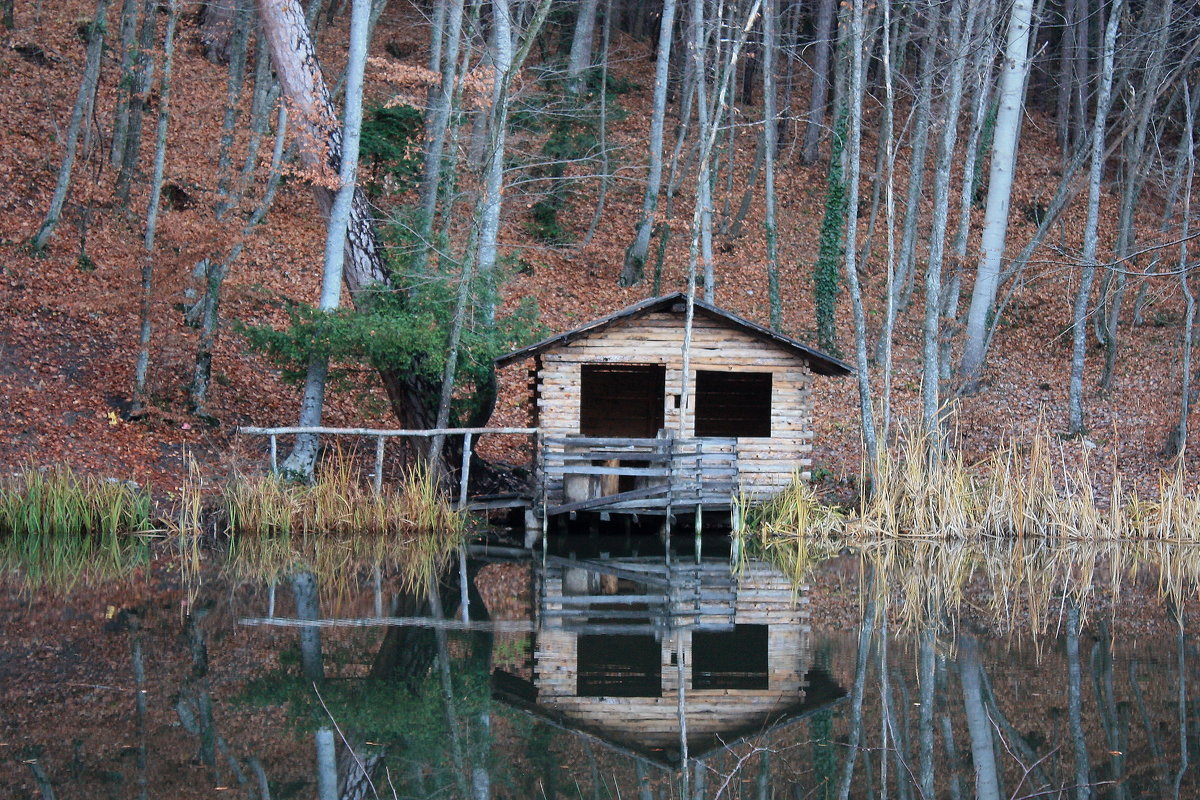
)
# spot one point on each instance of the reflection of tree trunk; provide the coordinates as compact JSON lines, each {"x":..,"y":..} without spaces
{"x":1102,"y":679}
{"x":927,"y":664}
{"x":1160,"y":760}
{"x":1015,"y":739}
{"x":327,"y":771}
{"x":951,"y":756}
{"x":139,"y":681}
{"x":1075,"y":704}
{"x":304,"y":589}
{"x":1181,"y":650}
{"x":987,"y":786}
{"x":865,"y":635}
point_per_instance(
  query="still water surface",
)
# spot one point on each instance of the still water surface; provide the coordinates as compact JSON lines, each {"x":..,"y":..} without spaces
{"x":1001,"y":670}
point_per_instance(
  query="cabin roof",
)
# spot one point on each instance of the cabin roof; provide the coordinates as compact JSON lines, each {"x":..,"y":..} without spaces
{"x":818,"y":362}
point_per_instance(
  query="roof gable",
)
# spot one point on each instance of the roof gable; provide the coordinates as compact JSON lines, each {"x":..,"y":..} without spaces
{"x":819,"y":362}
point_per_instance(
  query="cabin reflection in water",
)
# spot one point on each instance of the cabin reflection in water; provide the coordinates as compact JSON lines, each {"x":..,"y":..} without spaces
{"x":616,"y":636}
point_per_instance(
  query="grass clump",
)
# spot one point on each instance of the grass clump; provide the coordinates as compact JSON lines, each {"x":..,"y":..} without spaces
{"x":336,"y":527}
{"x":57,"y":527}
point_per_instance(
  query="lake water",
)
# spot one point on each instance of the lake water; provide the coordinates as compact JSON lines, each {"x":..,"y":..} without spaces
{"x":904,"y":670}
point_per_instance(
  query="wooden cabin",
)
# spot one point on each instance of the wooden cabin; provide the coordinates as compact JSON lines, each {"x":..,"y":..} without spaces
{"x":621,"y":430}
{"x":617,"y":637}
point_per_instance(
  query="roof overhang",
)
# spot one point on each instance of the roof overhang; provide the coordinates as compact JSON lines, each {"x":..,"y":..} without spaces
{"x":818,"y":362}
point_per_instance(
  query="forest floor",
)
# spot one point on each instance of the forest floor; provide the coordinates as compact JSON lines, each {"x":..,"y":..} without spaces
{"x":68,"y":318}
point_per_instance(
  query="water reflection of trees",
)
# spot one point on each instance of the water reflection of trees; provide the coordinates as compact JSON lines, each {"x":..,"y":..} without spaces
{"x":1000,"y":669}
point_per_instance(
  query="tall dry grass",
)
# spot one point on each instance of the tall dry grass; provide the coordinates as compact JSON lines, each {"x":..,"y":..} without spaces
{"x":58,"y":528}
{"x":338,"y":527}
{"x":1020,"y":491}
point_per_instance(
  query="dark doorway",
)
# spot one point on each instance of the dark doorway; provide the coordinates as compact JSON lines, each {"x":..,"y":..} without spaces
{"x":621,"y":665}
{"x":622,"y":400}
{"x":733,"y":403}
{"x":734,"y":659}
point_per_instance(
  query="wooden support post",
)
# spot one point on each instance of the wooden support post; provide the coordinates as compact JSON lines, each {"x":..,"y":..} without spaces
{"x":378,"y":464}
{"x":378,"y":579}
{"x":699,"y":539}
{"x":464,"y":596}
{"x":465,"y":472}
{"x":274,"y":456}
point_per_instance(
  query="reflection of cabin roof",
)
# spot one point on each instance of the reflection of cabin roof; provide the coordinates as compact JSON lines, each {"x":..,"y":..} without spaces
{"x":822,"y":692}
{"x":819,"y":362}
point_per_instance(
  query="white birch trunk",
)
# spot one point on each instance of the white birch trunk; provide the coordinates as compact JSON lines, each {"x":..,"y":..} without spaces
{"x":580,"y":58}
{"x":304,"y":452}
{"x":995,"y":224}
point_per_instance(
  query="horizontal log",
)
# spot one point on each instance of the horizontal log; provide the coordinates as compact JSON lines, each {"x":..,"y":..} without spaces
{"x":382,"y":431}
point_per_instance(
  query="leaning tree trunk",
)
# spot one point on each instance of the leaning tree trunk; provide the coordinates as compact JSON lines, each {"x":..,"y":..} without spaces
{"x":995,"y":224}
{"x":365,"y":271}
{"x":87,"y":87}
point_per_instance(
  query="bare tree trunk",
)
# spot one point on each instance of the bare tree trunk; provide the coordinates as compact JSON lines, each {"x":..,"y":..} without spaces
{"x":1178,"y":436}
{"x":87,"y":87}
{"x":239,"y":43}
{"x":580,"y":58}
{"x":633,"y":269}
{"x":435,"y":138}
{"x":1155,"y":28}
{"x":995,"y":225}
{"x":855,"y":92}
{"x":819,"y":98}
{"x":139,"y":95}
{"x":160,"y":155}
{"x":602,"y":129}
{"x":960,"y":40}
{"x":918,"y":155}
{"x":128,"y":33}
{"x":1091,"y":225}
{"x":219,"y":25}
{"x":770,"y":47}
{"x":986,"y":777}
{"x":304,"y":452}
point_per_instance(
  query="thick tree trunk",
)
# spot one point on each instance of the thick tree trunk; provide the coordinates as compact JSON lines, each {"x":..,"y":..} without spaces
{"x":87,"y":87}
{"x":365,"y":271}
{"x":580,"y":58}
{"x":995,"y":225}
{"x":139,"y":95}
{"x":987,"y":785}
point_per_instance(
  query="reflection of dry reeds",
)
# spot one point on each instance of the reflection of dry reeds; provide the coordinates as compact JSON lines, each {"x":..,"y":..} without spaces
{"x":57,"y":528}
{"x":337,"y":527}
{"x":1021,"y":491}
{"x":1016,"y":582}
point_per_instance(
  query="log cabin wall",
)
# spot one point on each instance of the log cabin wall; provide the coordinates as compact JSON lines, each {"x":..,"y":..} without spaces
{"x":765,"y":464}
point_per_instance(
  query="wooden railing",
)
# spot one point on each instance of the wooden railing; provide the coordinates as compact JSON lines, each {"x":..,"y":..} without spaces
{"x":382,"y":435}
{"x":666,"y":472}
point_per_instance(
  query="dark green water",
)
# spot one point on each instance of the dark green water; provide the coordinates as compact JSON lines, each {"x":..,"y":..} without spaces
{"x":606,"y":677}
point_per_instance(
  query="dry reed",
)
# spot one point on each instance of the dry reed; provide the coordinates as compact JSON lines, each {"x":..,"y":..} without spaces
{"x":337,"y":527}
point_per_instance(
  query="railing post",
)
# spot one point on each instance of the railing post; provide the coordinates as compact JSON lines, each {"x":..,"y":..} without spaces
{"x":465,"y":472}
{"x":378,"y":464}
{"x":274,"y":456}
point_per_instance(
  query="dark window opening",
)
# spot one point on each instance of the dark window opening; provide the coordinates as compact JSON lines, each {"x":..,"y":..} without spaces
{"x":734,"y":659}
{"x":622,"y":400}
{"x":733,"y":403}
{"x":619,"y":666}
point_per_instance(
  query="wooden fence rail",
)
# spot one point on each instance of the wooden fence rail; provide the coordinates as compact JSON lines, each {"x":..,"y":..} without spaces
{"x":383,"y":434}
